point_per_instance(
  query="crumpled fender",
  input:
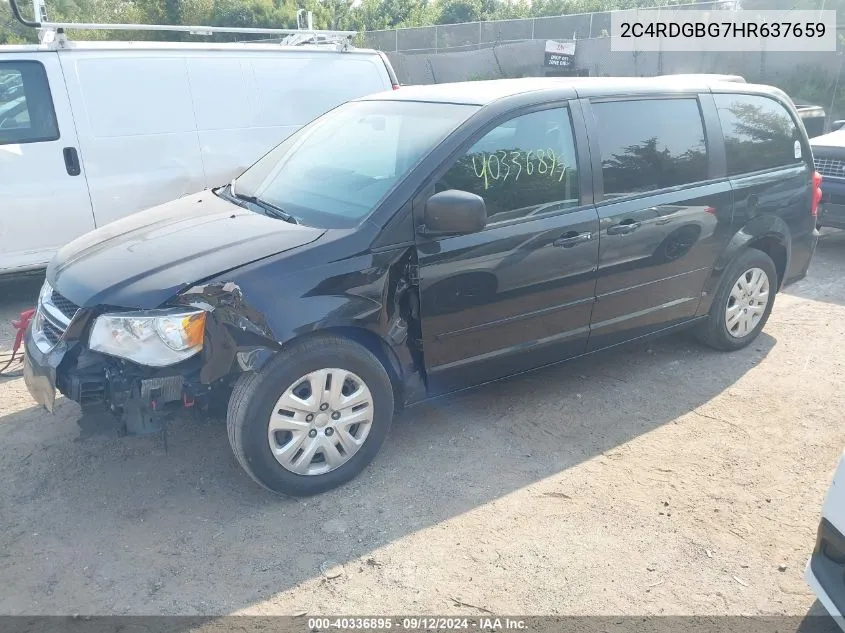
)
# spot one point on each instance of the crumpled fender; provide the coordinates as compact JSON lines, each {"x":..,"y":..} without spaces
{"x":254,"y":312}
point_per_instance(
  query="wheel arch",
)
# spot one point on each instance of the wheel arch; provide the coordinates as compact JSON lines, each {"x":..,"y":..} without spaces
{"x":775,"y":246}
{"x":768,"y":234}
{"x":379,"y":348}
{"x":255,"y":359}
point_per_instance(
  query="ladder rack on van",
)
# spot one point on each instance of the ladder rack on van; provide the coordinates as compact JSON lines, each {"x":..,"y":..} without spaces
{"x":53,"y":32}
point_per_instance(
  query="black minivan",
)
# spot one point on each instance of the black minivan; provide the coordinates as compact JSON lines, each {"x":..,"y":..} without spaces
{"x":410,"y":244}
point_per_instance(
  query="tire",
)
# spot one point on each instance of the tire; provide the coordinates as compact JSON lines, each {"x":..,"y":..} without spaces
{"x":716,"y":332}
{"x":255,"y":398}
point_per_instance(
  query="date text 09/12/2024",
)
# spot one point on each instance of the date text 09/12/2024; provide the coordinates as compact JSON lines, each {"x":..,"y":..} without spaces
{"x":421,"y":623}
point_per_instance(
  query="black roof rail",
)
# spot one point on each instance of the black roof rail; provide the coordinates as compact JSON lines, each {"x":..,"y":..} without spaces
{"x":16,"y":12}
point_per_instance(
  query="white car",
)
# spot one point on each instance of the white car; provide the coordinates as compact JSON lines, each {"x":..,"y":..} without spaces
{"x":826,"y":569}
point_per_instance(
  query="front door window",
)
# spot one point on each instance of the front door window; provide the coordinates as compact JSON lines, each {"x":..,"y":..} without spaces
{"x":524,"y":167}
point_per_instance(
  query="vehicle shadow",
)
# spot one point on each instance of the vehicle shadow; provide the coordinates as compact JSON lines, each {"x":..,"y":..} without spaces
{"x":148,"y":529}
{"x":818,"y":620}
{"x":824,"y":282}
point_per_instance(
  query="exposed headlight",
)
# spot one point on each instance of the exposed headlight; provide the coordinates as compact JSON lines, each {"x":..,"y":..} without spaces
{"x":155,"y":338}
{"x":46,"y":292}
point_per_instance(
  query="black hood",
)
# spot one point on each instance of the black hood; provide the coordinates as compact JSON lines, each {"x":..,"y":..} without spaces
{"x":144,"y":259}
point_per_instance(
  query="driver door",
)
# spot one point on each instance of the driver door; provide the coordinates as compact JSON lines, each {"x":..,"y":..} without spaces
{"x":519,"y":293}
{"x":42,"y":179}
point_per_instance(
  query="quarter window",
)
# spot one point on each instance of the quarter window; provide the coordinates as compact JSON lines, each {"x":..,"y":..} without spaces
{"x":650,"y":144}
{"x":759,"y":133}
{"x":26,"y":108}
{"x":524,"y":167}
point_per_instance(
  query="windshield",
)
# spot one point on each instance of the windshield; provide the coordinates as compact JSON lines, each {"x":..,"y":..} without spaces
{"x":334,"y":171}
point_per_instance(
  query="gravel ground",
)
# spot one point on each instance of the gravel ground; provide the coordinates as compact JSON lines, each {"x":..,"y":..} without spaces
{"x":662,"y":479}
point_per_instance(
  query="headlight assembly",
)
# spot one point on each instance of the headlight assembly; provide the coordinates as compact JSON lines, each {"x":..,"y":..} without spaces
{"x":46,"y":292}
{"x":155,"y":338}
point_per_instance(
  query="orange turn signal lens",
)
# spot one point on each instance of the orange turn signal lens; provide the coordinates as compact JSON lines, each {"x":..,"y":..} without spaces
{"x":193,"y":327}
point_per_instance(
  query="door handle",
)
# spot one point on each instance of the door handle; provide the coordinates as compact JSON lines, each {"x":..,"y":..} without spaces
{"x":623,"y":228}
{"x":571,"y":238}
{"x":71,"y":161}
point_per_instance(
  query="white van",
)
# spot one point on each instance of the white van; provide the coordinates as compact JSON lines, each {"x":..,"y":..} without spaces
{"x":91,"y":132}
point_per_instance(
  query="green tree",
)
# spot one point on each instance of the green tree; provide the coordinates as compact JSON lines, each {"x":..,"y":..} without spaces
{"x":456,"y":11}
{"x":386,"y":14}
{"x":11,"y":32}
{"x":511,"y":10}
{"x":336,"y":15}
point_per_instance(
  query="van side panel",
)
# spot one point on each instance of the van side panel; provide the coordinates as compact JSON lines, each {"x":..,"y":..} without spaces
{"x":248,"y":103}
{"x":155,"y":125}
{"x":136,"y":128}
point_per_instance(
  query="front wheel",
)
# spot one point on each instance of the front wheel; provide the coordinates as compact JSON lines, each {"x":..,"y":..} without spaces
{"x":313,"y":418}
{"x":742,"y":303}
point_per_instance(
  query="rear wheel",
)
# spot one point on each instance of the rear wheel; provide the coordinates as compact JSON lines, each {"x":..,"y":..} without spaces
{"x":742,"y":303}
{"x":313,"y":418}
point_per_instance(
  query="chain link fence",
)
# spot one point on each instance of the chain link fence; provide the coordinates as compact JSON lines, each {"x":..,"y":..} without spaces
{"x":470,"y":36}
{"x":516,"y":48}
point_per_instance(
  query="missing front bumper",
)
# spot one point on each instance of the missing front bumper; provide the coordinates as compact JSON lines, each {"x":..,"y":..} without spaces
{"x":137,"y":399}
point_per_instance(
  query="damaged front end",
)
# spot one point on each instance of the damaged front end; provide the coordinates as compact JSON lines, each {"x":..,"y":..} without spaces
{"x":139,"y":367}
{"x":134,"y":398}
{"x":139,"y":400}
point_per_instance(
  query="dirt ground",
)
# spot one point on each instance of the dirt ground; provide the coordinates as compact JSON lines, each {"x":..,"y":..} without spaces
{"x":663,"y":479}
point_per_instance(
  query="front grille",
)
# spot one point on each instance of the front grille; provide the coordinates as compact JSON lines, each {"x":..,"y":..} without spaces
{"x":55,"y":314}
{"x":830,"y":167}
{"x":51,"y":332}
{"x":65,"y":306}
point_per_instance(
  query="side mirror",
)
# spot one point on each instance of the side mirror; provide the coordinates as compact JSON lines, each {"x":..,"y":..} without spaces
{"x":837,"y":125}
{"x":454,"y":212}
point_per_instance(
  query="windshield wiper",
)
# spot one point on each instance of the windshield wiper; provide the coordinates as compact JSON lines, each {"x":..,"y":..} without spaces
{"x":269,"y":208}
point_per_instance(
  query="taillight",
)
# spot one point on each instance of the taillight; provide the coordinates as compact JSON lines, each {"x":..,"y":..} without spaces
{"x":817,"y":194}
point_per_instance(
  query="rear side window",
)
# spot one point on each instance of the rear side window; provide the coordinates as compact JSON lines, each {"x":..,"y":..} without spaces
{"x":759,"y":133}
{"x":524,"y":167}
{"x":650,"y":144}
{"x":26,"y":108}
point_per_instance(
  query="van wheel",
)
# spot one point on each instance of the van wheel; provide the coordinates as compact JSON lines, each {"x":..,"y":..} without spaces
{"x":742,"y":303}
{"x":313,"y":418}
